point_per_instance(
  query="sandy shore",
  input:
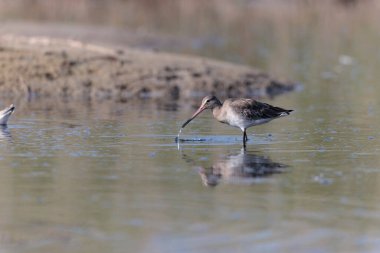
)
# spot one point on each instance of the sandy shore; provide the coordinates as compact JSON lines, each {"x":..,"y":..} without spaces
{"x":43,"y":67}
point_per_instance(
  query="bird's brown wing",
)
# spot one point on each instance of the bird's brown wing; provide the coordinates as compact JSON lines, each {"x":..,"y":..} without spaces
{"x":254,"y":110}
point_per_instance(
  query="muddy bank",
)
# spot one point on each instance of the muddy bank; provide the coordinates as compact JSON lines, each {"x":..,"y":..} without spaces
{"x":40,"y":67}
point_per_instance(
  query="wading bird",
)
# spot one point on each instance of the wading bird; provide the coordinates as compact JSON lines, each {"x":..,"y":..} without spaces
{"x":5,"y":114}
{"x":241,"y":113}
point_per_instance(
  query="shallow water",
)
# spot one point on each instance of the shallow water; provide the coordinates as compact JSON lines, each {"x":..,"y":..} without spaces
{"x":90,"y":181}
{"x":115,"y":180}
{"x":94,"y":179}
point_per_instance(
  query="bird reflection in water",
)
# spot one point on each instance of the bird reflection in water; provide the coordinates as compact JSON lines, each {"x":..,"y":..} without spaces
{"x":240,"y":168}
{"x":5,"y":134}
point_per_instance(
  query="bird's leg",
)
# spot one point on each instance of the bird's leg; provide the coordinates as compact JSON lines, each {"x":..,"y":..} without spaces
{"x":244,"y":137}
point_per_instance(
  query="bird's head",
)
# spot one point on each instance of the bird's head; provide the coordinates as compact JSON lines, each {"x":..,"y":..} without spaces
{"x":208,"y":102}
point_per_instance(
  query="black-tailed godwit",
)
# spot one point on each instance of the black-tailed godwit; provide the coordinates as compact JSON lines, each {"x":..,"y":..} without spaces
{"x":241,"y":113}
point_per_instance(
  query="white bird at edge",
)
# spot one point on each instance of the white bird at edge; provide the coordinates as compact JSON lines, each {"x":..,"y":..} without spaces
{"x":5,"y":114}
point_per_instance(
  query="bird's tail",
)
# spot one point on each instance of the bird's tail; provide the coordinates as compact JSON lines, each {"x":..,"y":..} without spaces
{"x":285,"y":112}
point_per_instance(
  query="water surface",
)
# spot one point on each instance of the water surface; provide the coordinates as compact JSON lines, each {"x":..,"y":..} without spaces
{"x":90,"y":180}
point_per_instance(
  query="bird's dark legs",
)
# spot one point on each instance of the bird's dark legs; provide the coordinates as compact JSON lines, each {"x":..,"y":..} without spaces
{"x":245,"y":138}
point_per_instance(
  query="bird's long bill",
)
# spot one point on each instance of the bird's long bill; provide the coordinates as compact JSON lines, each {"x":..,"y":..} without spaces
{"x":201,"y":109}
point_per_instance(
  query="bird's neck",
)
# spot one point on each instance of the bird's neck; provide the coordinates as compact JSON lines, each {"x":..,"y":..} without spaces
{"x":217,"y":112}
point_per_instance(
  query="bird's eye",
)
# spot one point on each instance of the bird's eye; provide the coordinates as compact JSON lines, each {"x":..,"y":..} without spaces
{"x":208,"y":100}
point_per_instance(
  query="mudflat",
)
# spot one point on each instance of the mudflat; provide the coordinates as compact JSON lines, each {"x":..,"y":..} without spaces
{"x":44,"y":67}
